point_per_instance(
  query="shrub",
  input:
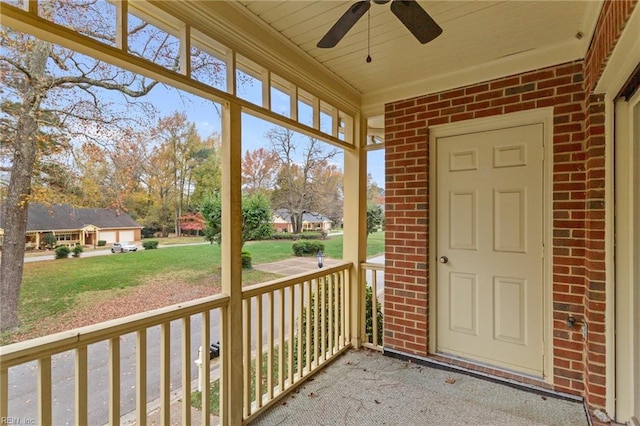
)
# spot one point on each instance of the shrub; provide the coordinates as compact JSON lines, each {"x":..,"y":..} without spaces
{"x":313,"y":235}
{"x":150,"y":245}
{"x":62,"y":252}
{"x":49,"y":240}
{"x":77,"y":250}
{"x":320,"y":312}
{"x":369,"y":317}
{"x":284,"y":236}
{"x":102,"y":243}
{"x":246,"y":260}
{"x":148,"y":232}
{"x":307,"y":248}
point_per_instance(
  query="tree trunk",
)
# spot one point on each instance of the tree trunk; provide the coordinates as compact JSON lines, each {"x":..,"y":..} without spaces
{"x":15,"y":209}
{"x":296,"y":222}
{"x":15,"y":206}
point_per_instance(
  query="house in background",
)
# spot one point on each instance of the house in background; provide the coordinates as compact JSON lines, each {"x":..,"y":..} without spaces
{"x":311,"y":221}
{"x":75,"y":225}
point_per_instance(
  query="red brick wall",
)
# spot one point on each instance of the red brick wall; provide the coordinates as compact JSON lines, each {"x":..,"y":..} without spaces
{"x":406,"y":226}
{"x":578,"y":202}
{"x":595,"y":253}
{"x":612,"y":20}
{"x":407,"y":208}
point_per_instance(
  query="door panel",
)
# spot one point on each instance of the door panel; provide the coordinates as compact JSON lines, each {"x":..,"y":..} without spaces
{"x":490,"y":228}
{"x":463,"y":229}
{"x":463,"y":302}
{"x":510,"y":305}
{"x":509,"y":220}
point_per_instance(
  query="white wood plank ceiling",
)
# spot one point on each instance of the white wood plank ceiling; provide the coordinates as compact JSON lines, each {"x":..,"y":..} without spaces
{"x":481,"y":40}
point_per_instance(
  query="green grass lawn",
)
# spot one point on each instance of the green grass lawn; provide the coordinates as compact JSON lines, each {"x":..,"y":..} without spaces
{"x":51,"y":288}
{"x":272,"y":251}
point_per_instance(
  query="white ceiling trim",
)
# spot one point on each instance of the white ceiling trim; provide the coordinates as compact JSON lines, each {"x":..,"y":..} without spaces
{"x":591,"y":15}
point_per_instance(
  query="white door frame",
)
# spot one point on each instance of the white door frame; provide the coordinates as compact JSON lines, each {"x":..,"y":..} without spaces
{"x":542,"y":116}
{"x":621,"y":64}
{"x":627,"y":254}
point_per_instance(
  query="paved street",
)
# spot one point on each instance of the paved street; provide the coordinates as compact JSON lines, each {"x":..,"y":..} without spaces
{"x":23,"y":379}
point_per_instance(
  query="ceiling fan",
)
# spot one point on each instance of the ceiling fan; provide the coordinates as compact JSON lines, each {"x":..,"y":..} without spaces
{"x":409,"y":12}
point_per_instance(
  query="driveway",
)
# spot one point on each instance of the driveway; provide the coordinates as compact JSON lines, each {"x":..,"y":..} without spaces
{"x":299,"y":265}
{"x":295,"y":265}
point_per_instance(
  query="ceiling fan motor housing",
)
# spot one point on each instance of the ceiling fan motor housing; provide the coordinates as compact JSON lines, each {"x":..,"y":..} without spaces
{"x":409,"y":12}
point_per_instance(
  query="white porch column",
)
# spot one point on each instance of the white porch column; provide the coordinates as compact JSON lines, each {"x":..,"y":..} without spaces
{"x":231,"y":346}
{"x":355,"y":224}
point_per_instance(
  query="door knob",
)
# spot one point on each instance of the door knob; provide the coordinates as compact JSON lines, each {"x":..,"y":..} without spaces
{"x":443,"y":259}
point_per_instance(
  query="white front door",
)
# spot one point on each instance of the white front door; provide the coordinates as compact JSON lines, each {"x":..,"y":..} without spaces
{"x":490,"y":247}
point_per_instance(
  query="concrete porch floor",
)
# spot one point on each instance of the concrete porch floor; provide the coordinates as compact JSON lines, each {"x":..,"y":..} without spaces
{"x":367,"y":388}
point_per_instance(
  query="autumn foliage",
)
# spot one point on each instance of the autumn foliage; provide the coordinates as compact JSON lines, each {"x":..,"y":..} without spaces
{"x":192,"y":222}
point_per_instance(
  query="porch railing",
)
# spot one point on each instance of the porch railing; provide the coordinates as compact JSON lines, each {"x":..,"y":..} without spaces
{"x":291,"y":327}
{"x":372,"y":281}
{"x":298,"y":325}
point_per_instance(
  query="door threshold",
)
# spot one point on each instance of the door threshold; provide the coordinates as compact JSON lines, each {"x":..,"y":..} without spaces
{"x":509,"y":378}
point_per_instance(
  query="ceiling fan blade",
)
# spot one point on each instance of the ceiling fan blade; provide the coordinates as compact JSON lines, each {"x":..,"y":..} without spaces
{"x":414,"y":17}
{"x":344,"y":24}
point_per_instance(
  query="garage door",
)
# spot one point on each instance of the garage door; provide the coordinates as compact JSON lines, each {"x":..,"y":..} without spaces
{"x":108,"y":236}
{"x":127,"y":236}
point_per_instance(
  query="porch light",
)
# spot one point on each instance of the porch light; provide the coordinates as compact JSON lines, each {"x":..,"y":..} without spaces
{"x":320,"y":258}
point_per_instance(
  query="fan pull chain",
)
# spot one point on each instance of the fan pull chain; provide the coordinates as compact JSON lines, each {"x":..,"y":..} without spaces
{"x":369,"y":36}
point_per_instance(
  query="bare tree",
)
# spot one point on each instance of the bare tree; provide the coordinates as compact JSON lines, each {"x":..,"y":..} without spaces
{"x":304,"y":181}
